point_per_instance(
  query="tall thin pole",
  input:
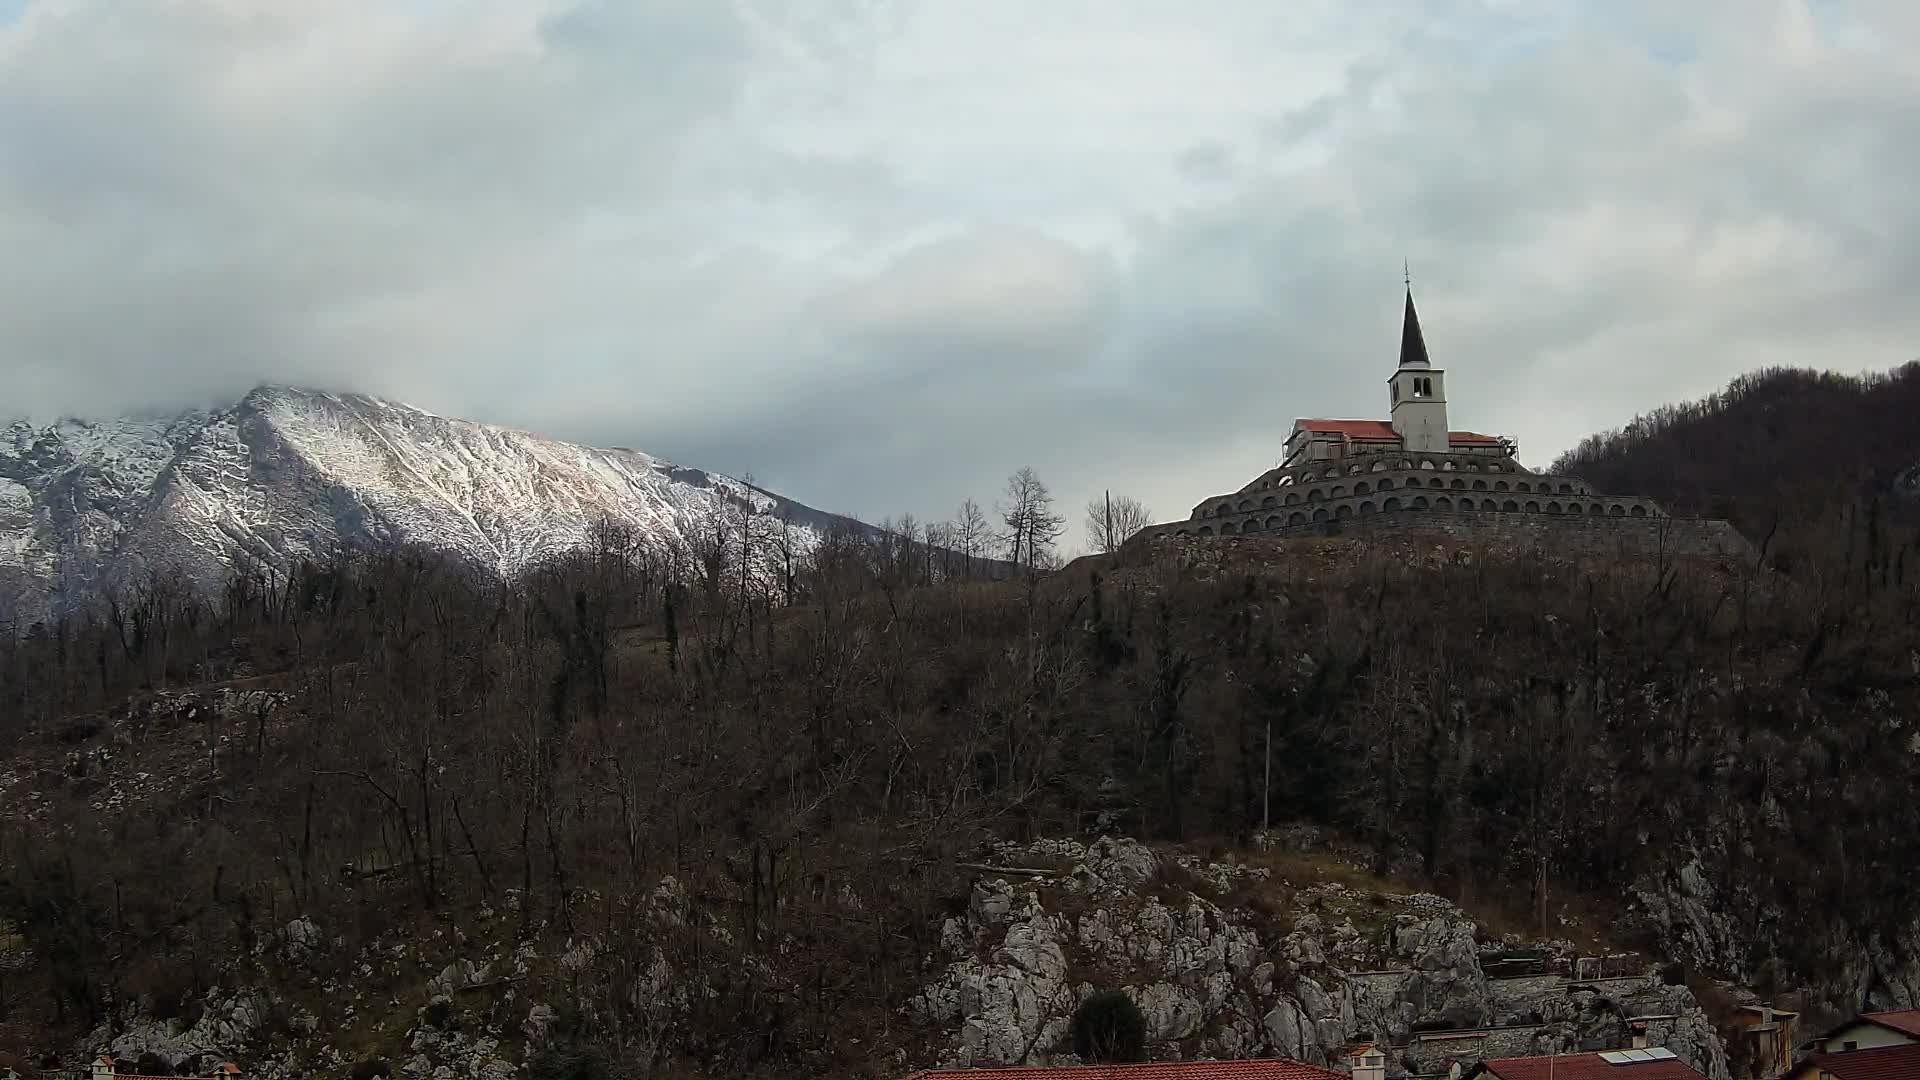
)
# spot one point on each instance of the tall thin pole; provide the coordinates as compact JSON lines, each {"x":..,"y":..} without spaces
{"x":1266,"y":782}
{"x":1108,"y":536}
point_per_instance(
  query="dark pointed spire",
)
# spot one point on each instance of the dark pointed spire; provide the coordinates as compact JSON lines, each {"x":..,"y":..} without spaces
{"x":1413,"y":346}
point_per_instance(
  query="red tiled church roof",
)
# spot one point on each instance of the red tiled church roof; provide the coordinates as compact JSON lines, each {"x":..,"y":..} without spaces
{"x":1588,"y":1067}
{"x":1353,"y":429}
{"x":1907,"y":1020}
{"x":1382,"y":431}
{"x":1880,"y":1063}
{"x":1263,"y":1069}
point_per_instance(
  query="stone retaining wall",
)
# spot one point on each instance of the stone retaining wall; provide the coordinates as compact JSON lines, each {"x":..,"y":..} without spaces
{"x":1584,"y":537}
{"x":1566,"y":535}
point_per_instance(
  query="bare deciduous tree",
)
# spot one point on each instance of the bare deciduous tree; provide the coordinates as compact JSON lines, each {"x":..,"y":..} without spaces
{"x":969,"y":532}
{"x":1032,"y":525}
{"x":1112,"y":519}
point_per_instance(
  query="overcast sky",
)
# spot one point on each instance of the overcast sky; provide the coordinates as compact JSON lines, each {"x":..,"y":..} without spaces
{"x":879,"y":253}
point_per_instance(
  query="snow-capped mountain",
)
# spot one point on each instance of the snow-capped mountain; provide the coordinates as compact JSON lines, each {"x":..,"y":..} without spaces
{"x":287,"y":472}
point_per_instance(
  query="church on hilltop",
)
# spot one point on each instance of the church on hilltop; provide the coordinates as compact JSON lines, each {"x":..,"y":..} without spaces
{"x":1418,"y":418}
{"x":1413,"y":473}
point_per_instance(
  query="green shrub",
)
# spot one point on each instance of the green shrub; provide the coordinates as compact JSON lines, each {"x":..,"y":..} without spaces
{"x":1108,"y":1028}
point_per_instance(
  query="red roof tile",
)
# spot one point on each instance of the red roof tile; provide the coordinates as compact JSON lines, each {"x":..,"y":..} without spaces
{"x":1880,"y":1063}
{"x":1382,"y":431}
{"x":1588,"y":1067}
{"x":1264,"y":1069}
{"x":1352,"y":429}
{"x":1907,"y":1020}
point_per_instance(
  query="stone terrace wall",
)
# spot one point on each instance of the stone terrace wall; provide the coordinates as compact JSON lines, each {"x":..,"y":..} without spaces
{"x":1582,"y":537}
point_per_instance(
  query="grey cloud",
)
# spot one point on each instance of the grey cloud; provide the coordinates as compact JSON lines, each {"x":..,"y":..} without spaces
{"x":1206,"y":163}
{"x":575,"y":227}
{"x":209,"y":202}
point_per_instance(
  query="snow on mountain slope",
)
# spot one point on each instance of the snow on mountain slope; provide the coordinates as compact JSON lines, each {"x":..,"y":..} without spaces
{"x":286,"y":472}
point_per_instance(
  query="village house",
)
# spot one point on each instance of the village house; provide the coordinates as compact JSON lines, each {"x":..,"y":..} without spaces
{"x":1871,"y":1046}
{"x":1868,"y":1031}
{"x":1652,"y":1063}
{"x":1761,"y":1041}
{"x":1262,"y":1069}
{"x":1899,"y":1062}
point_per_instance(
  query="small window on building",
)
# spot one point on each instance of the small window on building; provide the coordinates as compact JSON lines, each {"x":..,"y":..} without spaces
{"x":1396,"y":392}
{"x":1850,"y":1044}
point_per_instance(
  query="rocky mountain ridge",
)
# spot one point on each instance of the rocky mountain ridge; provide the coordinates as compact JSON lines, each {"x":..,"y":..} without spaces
{"x":86,"y":506}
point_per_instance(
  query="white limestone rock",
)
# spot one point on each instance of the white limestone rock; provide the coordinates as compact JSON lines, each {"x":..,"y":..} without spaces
{"x":458,"y":976}
{"x":1171,"y":1012}
{"x":228,"y":1022}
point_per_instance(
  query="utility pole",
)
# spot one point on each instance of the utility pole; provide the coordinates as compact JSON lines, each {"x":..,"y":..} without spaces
{"x":1106,"y":538}
{"x":1266,"y":782}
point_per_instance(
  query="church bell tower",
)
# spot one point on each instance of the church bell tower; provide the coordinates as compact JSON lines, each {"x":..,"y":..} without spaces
{"x":1419,"y":391}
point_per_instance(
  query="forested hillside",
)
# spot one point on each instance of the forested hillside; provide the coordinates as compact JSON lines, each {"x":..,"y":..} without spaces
{"x":1787,"y":453}
{"x":307,"y":782}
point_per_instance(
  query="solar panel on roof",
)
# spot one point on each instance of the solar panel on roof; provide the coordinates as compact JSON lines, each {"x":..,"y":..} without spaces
{"x":1636,"y":1057}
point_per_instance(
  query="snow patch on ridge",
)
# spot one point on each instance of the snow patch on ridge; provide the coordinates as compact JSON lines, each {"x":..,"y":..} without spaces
{"x":286,"y":473}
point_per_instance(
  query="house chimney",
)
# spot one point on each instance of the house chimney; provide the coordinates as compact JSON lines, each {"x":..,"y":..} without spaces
{"x":1367,"y":1062}
{"x":1640,"y":1035}
{"x":103,"y":1067}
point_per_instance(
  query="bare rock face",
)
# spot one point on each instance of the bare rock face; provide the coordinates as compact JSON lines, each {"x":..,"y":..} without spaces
{"x":1446,"y":984}
{"x":1004,"y":995}
{"x":1688,"y":907}
{"x":298,"y":944}
{"x":228,"y":1022}
{"x":1218,"y":982}
{"x":457,"y":976}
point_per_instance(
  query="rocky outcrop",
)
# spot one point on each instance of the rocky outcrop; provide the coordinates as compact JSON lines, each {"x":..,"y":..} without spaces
{"x":228,"y":1023}
{"x":1302,"y":973}
{"x":1692,"y":908}
{"x":1224,"y":958}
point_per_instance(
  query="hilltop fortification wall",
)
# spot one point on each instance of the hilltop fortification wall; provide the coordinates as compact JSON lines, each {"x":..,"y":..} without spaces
{"x":1566,"y":535}
{"x":1578,"y":537}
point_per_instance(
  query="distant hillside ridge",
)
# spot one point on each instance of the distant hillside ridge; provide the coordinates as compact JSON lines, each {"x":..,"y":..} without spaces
{"x":1786,"y":439}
